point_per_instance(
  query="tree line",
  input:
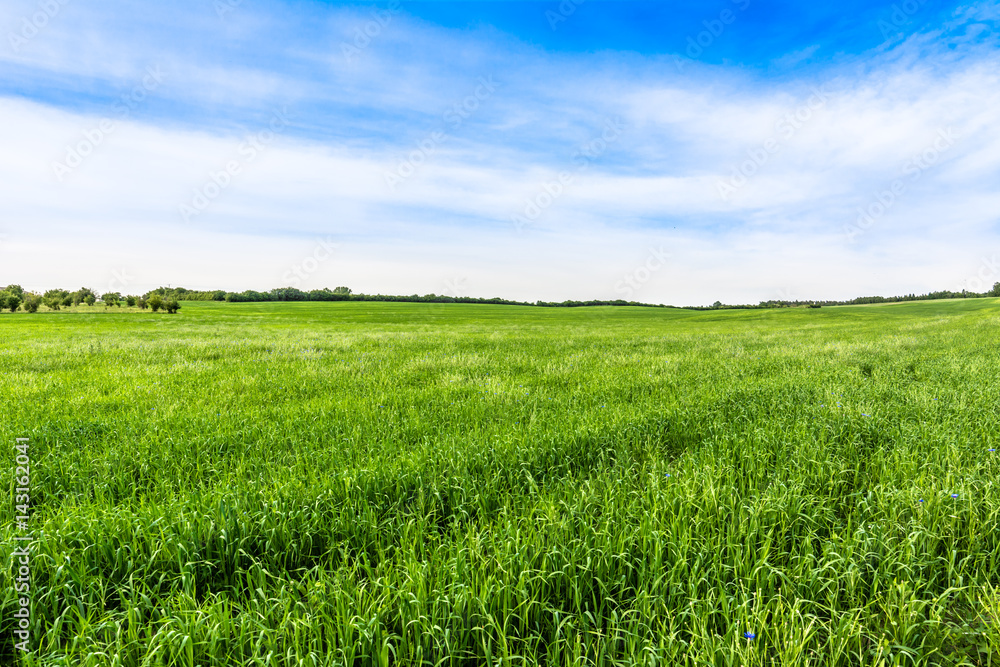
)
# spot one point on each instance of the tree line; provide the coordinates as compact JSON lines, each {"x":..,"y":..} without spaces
{"x":168,"y":299}
{"x":14,"y":298}
{"x":861,"y":300}
{"x":345,"y":294}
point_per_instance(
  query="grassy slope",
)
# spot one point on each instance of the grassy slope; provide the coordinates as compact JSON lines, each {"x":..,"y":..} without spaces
{"x":370,"y":482}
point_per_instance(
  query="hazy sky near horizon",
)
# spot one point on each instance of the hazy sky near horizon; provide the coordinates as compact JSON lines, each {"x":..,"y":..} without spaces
{"x":739,"y":150}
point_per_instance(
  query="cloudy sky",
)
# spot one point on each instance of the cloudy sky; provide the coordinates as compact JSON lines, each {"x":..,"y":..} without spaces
{"x":739,"y":150}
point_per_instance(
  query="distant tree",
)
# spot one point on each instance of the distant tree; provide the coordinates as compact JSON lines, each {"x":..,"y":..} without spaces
{"x":32,"y":302}
{"x":717,"y":304}
{"x":172,"y":306}
{"x":142,"y":303}
{"x":11,"y":301}
{"x":80,"y":296}
{"x":54,"y":298}
{"x":130,"y":300}
{"x":90,"y":299}
{"x":16,"y":290}
{"x":248,"y":296}
{"x":155,"y":301}
{"x":342,"y":290}
{"x":996,"y":290}
{"x":323,"y":295}
{"x":111,"y":299}
{"x":287,"y":294}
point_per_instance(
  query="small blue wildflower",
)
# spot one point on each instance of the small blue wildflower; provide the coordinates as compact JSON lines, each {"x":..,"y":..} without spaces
{"x":667,"y":475}
{"x":991,"y":449}
{"x":921,"y":500}
{"x":954,"y":495}
{"x":750,"y":635}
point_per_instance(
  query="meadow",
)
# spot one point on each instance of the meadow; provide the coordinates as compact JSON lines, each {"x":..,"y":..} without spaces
{"x":442,"y":484}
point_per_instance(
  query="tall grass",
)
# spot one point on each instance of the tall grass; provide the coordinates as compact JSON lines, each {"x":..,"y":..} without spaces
{"x":410,"y":484}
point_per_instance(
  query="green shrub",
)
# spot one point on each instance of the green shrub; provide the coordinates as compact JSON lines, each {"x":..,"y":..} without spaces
{"x":32,"y":302}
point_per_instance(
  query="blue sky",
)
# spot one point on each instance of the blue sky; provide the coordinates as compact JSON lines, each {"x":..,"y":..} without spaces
{"x":662,"y":152}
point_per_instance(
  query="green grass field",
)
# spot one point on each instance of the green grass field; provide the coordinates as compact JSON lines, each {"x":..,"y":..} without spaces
{"x":410,"y":484}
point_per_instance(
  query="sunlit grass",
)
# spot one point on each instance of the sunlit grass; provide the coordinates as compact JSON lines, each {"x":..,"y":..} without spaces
{"x":368,"y":483}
